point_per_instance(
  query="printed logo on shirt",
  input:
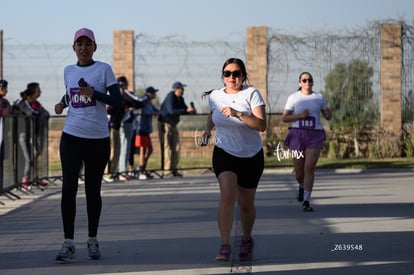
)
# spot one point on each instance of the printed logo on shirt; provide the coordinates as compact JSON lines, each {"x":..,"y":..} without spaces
{"x":80,"y":101}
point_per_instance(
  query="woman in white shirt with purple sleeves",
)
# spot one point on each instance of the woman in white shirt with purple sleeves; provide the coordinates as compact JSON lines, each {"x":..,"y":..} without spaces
{"x":306,"y":134}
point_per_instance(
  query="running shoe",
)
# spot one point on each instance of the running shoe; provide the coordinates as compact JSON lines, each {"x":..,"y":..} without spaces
{"x":299,"y":195}
{"x":26,"y":186}
{"x":42,"y":182}
{"x":67,"y":252}
{"x":224,"y":253}
{"x":307,"y":207}
{"x":108,"y":178}
{"x":149,"y":176}
{"x":26,"y":180}
{"x":177,"y":174}
{"x":93,"y":249}
{"x":123,"y":177}
{"x":246,"y":250}
{"x":142,"y":176}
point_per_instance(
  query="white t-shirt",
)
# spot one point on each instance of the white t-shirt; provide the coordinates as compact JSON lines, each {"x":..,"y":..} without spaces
{"x":314,"y":102}
{"x":87,"y":117}
{"x":233,"y":135}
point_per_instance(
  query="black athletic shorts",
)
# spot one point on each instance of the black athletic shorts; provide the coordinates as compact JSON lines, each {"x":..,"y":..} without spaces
{"x":248,"y":170}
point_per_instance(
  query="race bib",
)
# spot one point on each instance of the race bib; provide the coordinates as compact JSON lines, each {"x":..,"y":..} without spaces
{"x":307,"y":123}
{"x":80,"y":101}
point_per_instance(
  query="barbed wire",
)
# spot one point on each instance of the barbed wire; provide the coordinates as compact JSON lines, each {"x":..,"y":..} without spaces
{"x":161,"y":61}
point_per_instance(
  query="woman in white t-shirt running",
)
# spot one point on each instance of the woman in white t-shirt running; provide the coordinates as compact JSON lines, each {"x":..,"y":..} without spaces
{"x":90,"y":86}
{"x":306,"y":135}
{"x":238,"y":114}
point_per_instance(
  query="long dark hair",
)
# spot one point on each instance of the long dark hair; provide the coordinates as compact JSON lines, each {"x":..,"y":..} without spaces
{"x":30,"y":90}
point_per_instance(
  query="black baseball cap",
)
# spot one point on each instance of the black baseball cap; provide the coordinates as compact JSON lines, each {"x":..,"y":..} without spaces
{"x":151,"y":90}
{"x":177,"y":85}
{"x":3,"y":83}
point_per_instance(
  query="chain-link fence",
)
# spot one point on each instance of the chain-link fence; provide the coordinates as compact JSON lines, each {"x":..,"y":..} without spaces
{"x":161,"y":61}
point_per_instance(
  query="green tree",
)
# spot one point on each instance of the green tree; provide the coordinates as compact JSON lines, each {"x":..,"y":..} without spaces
{"x":348,"y":89}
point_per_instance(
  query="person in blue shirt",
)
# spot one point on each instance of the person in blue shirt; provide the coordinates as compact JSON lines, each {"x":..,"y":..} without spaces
{"x":144,"y":129}
{"x":172,"y":107}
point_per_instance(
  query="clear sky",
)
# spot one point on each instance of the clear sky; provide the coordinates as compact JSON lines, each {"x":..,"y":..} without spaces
{"x":51,"y":22}
{"x":54,"y":21}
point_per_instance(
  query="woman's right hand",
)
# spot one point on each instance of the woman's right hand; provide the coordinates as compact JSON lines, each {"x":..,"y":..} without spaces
{"x":59,"y":108}
{"x":206,"y":137}
{"x":303,"y":114}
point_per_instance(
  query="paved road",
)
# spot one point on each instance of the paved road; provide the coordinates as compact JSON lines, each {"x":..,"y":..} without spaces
{"x":363,"y":224}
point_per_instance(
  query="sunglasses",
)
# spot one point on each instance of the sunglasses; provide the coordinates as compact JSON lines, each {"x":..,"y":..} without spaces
{"x":310,"y":80}
{"x":234,"y":73}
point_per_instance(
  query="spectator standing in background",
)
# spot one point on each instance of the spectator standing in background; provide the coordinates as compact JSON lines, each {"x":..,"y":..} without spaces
{"x":5,"y":109}
{"x":143,"y":132}
{"x":31,"y":138}
{"x":172,"y":107}
{"x":130,"y":104}
{"x":116,"y":114}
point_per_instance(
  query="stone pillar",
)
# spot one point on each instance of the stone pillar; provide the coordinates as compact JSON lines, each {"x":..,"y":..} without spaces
{"x":256,"y":58}
{"x":391,"y":78}
{"x":124,"y":52}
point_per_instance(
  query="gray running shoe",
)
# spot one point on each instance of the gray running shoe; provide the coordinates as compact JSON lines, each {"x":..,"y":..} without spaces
{"x":67,"y":252}
{"x":93,"y":249}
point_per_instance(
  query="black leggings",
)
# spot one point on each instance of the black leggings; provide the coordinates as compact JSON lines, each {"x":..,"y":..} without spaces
{"x":93,"y":154}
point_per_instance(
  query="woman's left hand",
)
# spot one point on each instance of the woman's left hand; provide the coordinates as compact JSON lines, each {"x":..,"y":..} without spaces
{"x":327,"y":113}
{"x":228,"y":111}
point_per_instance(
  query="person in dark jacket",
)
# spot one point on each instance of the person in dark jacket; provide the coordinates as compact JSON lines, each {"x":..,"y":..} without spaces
{"x":120,"y":124}
{"x":172,"y":107}
{"x":130,"y":103}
